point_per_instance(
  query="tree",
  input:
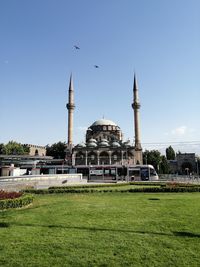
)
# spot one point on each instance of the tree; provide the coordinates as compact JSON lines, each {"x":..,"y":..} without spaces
{"x":164,"y":165}
{"x":14,"y":148}
{"x":1,"y":148}
{"x":155,"y":158}
{"x":170,"y":153}
{"x":56,"y":150}
{"x":152,"y":157}
{"x":198,"y":165}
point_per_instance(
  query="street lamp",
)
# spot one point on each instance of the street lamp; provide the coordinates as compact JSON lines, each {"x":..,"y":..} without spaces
{"x":197,"y":167}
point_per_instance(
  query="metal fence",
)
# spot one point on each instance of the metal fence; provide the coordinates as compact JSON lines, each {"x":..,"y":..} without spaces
{"x":179,"y":178}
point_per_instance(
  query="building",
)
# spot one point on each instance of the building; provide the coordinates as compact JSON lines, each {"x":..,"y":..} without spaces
{"x":11,"y":163}
{"x":104,"y":143}
{"x":8,"y":163}
{"x":184,"y":164}
{"x":35,"y":150}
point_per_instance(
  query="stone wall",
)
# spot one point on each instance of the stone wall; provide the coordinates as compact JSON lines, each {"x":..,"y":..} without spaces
{"x":36,"y":150}
{"x":184,"y":164}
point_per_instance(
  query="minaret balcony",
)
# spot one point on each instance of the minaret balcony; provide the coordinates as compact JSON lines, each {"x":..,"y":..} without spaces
{"x":136,"y":105}
{"x":70,"y":106}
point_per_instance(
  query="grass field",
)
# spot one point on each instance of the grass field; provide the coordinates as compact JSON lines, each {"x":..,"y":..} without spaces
{"x":103,"y":229}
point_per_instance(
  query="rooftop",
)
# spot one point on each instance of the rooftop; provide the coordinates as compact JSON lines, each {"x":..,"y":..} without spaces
{"x":104,"y":122}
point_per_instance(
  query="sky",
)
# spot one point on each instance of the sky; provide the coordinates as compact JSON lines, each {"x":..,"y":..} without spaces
{"x":158,"y":40}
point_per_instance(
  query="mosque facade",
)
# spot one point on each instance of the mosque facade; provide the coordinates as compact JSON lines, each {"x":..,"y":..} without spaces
{"x":104,"y":144}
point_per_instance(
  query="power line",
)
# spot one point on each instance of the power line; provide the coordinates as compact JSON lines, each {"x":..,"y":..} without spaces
{"x":177,"y":142}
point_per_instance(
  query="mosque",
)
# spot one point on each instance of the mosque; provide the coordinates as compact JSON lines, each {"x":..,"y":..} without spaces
{"x":104,"y":143}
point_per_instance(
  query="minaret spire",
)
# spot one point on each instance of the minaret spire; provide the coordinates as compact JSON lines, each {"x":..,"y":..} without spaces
{"x":70,"y":106}
{"x":135,"y":90}
{"x":136,"y":107}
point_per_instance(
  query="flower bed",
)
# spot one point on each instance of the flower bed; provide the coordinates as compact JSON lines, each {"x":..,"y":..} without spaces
{"x":14,"y":200}
{"x":9,"y":195}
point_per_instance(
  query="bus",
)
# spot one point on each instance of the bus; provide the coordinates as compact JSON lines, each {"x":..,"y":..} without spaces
{"x":118,"y":172}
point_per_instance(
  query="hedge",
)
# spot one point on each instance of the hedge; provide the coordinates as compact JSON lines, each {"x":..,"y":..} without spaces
{"x":70,"y":188}
{"x":176,"y":184}
{"x":109,"y":185}
{"x":16,"y":202}
{"x":131,"y":190}
{"x":165,"y":189}
{"x":89,"y":186}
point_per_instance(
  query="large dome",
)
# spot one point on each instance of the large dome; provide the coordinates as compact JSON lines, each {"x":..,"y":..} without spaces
{"x":102,"y":131}
{"x":104,"y":122}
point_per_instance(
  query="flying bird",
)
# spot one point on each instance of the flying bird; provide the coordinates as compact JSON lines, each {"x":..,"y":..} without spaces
{"x":96,"y":66}
{"x":76,"y":47}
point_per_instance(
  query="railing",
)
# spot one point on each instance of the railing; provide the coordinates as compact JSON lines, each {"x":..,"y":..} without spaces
{"x":179,"y":178}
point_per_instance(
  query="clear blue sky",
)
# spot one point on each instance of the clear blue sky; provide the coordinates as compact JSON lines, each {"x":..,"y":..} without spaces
{"x":160,"y":40}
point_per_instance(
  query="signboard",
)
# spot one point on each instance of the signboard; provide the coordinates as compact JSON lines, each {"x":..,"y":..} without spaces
{"x":96,"y":172}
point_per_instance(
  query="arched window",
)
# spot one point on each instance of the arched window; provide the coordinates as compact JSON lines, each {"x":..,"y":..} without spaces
{"x":92,"y":158}
{"x":104,"y":158}
{"x":80,"y":158}
{"x":116,"y":157}
{"x":186,"y":168}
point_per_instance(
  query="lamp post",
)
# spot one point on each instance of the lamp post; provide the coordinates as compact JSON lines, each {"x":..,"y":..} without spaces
{"x":158,"y":167}
{"x":197,"y":167}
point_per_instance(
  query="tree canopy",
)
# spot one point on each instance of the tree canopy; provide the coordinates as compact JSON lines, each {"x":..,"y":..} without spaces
{"x":155,"y":158}
{"x":13,"y":148}
{"x":164,"y":165}
{"x":1,"y":148}
{"x":56,"y":150}
{"x":170,"y":153}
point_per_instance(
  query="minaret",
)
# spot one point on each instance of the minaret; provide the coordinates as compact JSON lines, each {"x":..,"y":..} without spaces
{"x":136,"y":107}
{"x":70,"y":106}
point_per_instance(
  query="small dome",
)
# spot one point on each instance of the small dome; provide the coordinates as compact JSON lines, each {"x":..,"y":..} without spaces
{"x":92,"y":140}
{"x":81,"y":145}
{"x":102,"y":144}
{"x":127,"y":144}
{"x":91,"y":144}
{"x":115,"y":144}
{"x":104,"y":122}
{"x":104,"y":140}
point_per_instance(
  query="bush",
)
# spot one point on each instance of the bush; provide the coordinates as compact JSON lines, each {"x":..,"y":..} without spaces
{"x":148,"y":183}
{"x":36,"y":191}
{"x":109,"y":185}
{"x":88,"y":186}
{"x":16,"y":202}
{"x":176,"y":184}
{"x":165,"y":189}
{"x":148,"y":187}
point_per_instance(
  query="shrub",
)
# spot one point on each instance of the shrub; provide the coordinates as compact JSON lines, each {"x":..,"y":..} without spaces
{"x":176,"y":184}
{"x":89,"y":186}
{"x":16,"y":202}
{"x":148,"y":187}
{"x":148,"y":183}
{"x":165,"y":189}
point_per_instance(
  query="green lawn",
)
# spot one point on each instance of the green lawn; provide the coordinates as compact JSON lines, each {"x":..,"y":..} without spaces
{"x":103,"y":229}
